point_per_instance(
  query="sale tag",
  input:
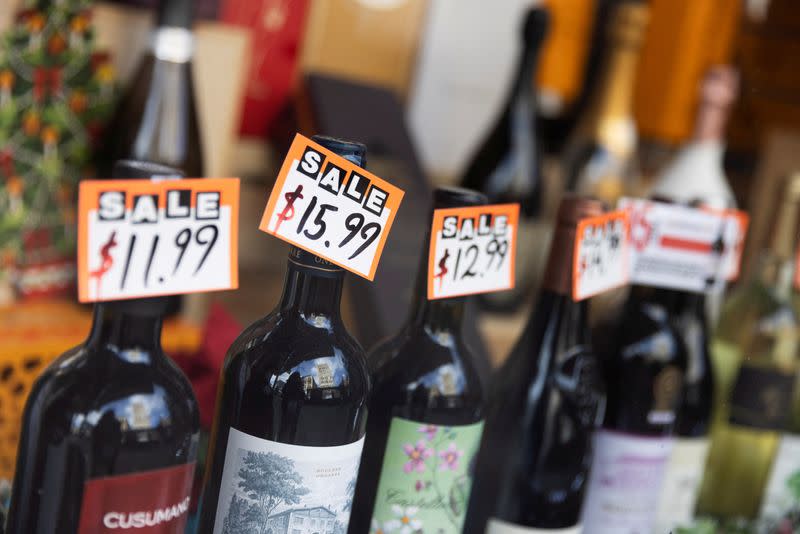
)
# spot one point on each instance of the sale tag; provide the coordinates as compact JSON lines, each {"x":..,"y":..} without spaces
{"x":331,"y":207}
{"x":472,"y":250}
{"x":144,"y":238}
{"x":736,"y":223}
{"x":600,"y":258}
{"x":675,"y":246}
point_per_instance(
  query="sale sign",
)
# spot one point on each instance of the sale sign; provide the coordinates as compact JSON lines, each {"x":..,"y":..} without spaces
{"x":144,"y":238}
{"x":472,"y":250}
{"x":331,"y":207}
{"x":600,"y":258}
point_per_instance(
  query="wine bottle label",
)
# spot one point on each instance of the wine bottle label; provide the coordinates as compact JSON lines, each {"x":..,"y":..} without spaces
{"x":498,"y":526}
{"x":425,"y":478}
{"x":762,"y":398}
{"x":625,"y":482}
{"x":682,"y":484}
{"x":279,"y":488}
{"x":150,"y":502}
{"x":783,"y":488}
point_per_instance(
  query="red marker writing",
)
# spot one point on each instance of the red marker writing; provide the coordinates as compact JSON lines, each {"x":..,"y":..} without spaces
{"x":288,"y":210}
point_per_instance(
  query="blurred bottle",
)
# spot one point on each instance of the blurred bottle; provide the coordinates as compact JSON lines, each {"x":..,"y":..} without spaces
{"x":696,"y":172}
{"x":600,"y":159}
{"x":156,"y":119}
{"x":754,"y":354}
{"x":546,"y":402}
{"x":507,"y":166}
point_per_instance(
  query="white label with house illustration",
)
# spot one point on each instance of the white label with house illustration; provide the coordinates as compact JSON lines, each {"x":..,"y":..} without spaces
{"x":286,"y":489}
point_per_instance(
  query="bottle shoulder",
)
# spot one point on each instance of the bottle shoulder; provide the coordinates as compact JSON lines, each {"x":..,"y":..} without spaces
{"x":280,"y":345}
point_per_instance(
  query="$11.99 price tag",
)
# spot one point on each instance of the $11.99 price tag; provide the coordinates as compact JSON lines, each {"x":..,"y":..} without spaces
{"x":472,"y":250}
{"x":331,"y":207}
{"x":600,"y":258}
{"x":144,"y":238}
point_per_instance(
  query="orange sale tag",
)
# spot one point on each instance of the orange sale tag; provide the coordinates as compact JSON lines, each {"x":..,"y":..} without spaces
{"x":331,"y":207}
{"x":472,"y":250}
{"x":145,"y":238}
{"x":600,"y":257}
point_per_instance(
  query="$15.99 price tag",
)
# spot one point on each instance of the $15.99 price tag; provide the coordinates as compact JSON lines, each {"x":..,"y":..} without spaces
{"x":331,"y":207}
{"x":600,"y":258}
{"x":144,"y":238}
{"x":472,"y":250}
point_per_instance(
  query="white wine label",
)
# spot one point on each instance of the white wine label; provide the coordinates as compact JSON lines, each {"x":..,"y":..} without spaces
{"x":498,"y":526}
{"x":276,"y":487}
{"x":600,"y":259}
{"x":782,"y":494}
{"x":678,"y":247}
{"x":425,"y":477}
{"x":472,"y":250}
{"x":144,"y":238}
{"x":625,"y":482}
{"x":331,"y":207}
{"x":682,"y":484}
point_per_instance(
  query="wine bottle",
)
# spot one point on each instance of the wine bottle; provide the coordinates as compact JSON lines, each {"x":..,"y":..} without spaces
{"x":600,"y":159}
{"x":426,"y":414}
{"x":507,"y":166}
{"x":292,"y":408}
{"x":111,"y":428}
{"x":696,"y":172}
{"x":545,"y":403}
{"x":754,"y":353}
{"x":156,"y":118}
{"x":645,"y":370}
{"x":696,"y":177}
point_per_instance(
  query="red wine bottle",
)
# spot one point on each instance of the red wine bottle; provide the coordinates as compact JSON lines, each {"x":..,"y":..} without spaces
{"x":156,"y":118}
{"x":111,"y":428}
{"x":292,"y":408}
{"x":545,"y":403}
{"x":425,"y":414}
{"x":507,"y":166}
{"x":645,"y":372}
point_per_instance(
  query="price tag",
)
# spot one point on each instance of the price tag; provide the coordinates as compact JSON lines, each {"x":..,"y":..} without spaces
{"x":330,"y":207}
{"x":600,"y":258}
{"x":144,"y":238}
{"x":675,"y":246}
{"x":734,"y":237}
{"x":472,"y":250}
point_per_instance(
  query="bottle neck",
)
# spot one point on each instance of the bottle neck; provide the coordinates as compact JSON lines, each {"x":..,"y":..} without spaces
{"x":172,"y":39}
{"x":523,"y":87}
{"x":611,"y":115}
{"x":710,"y":123}
{"x":130,"y":329}
{"x":313,"y":292}
{"x":434,"y":316}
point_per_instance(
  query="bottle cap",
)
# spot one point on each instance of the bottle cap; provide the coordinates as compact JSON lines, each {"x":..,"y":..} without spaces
{"x":456,"y":197}
{"x":629,"y":22}
{"x":133,"y":169}
{"x":535,"y":26}
{"x":573,"y":208}
{"x":353,"y":152}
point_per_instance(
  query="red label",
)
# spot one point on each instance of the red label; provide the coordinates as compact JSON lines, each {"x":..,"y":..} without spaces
{"x":153,"y":502}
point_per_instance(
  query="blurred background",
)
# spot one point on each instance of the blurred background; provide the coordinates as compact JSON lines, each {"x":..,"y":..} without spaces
{"x":613,"y":89}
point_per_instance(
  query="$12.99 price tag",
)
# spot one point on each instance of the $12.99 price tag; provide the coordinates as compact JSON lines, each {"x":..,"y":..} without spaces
{"x":600,"y":257}
{"x":331,"y":207}
{"x":144,"y":238}
{"x":472,"y":250}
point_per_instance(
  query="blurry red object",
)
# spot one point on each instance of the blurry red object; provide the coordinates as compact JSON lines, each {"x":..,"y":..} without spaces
{"x":277,"y":29}
{"x":203,"y":369}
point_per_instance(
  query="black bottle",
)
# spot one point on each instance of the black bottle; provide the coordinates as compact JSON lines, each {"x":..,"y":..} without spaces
{"x":546,"y":401}
{"x":427,"y":393}
{"x":291,"y":409}
{"x":111,"y":428}
{"x":645,"y":372}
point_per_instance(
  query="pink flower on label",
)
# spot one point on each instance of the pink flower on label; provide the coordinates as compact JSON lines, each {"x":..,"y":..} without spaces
{"x":429,"y":431}
{"x":419,"y":486}
{"x":416,"y":456}
{"x":450,"y":458}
